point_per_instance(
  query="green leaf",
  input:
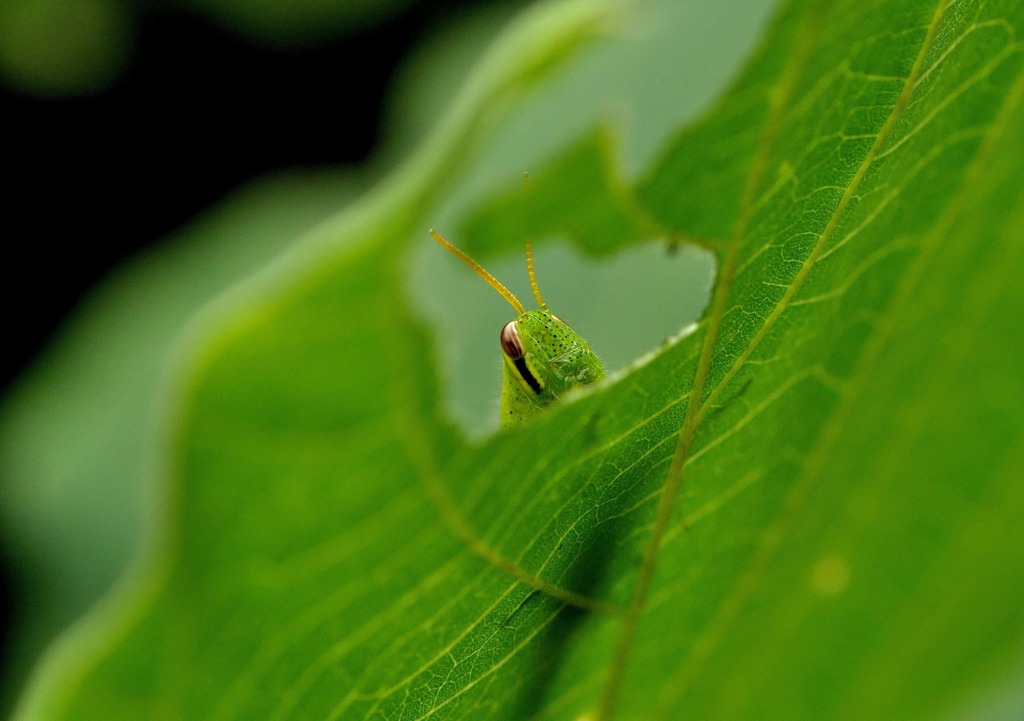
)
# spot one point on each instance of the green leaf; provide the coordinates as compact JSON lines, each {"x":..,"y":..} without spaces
{"x":808,"y":507}
{"x":73,"y":433}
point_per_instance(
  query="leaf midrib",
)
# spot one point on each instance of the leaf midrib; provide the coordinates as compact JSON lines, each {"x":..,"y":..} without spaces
{"x":696,"y":411}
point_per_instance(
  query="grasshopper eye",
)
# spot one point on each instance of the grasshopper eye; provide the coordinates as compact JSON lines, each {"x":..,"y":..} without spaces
{"x":511,"y":343}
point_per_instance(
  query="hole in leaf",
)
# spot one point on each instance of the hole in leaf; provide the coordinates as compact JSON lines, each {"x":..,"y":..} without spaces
{"x":625,"y":305}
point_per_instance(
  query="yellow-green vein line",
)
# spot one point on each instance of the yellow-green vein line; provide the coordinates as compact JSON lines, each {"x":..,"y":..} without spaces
{"x":670,"y":491}
{"x":730,"y":608}
{"x":851,"y":190}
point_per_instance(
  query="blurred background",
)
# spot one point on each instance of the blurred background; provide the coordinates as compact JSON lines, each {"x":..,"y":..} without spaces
{"x":126,"y":119}
{"x":125,"y":122}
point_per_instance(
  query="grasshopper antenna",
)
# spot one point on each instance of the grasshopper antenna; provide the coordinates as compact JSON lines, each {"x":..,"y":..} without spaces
{"x":479,"y":270}
{"x":533,"y":278}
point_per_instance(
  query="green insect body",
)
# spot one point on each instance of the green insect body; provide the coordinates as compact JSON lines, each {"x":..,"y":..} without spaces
{"x":543,"y":358}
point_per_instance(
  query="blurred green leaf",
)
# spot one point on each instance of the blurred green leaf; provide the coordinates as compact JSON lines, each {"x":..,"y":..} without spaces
{"x":847,"y":540}
{"x":73,"y":434}
{"x":63,"y":47}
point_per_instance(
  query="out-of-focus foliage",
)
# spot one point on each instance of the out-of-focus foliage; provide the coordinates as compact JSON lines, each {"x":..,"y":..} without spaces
{"x":58,"y":48}
{"x":63,"y":47}
{"x":75,"y":430}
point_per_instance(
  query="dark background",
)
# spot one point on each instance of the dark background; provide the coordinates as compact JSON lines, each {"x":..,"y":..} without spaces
{"x":196,"y":112}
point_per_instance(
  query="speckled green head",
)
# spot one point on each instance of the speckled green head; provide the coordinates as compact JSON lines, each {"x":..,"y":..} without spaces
{"x":543,"y":358}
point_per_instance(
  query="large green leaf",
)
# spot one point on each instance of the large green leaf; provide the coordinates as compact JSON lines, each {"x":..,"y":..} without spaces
{"x":832,"y":531}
